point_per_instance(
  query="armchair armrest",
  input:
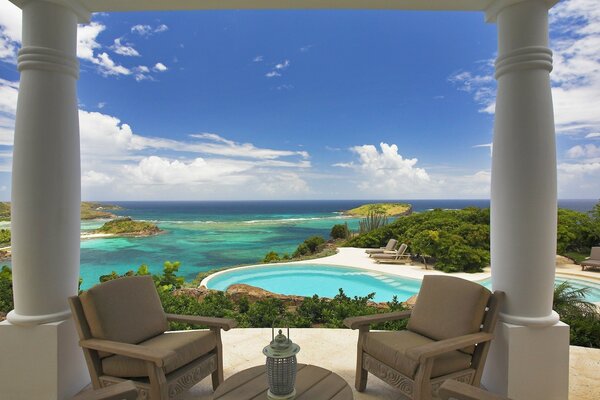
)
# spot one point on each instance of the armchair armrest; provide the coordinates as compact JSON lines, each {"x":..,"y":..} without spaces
{"x":429,"y":350}
{"x":452,"y":389}
{"x":158,"y":356}
{"x":390,"y":252}
{"x":121,"y":391}
{"x":357,"y":322}
{"x":212,"y":322}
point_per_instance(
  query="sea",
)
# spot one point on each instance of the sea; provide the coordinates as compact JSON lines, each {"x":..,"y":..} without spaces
{"x":206,"y":235}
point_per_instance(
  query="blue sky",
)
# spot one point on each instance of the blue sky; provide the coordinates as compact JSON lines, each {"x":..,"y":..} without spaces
{"x":305,"y":104}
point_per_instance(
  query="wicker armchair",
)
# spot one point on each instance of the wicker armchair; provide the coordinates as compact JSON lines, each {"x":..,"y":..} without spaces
{"x":123,"y":332}
{"x":447,"y":337}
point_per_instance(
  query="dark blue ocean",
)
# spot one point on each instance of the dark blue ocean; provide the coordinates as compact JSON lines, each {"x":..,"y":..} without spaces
{"x":213,"y":234}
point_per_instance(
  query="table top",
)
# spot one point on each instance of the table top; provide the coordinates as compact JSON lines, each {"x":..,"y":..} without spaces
{"x":312,"y":383}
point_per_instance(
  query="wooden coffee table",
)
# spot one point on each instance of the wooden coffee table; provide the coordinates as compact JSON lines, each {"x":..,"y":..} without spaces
{"x":312,"y":383}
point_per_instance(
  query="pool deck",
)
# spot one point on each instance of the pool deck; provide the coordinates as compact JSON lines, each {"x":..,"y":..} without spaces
{"x":335,"y":349}
{"x":357,"y":258}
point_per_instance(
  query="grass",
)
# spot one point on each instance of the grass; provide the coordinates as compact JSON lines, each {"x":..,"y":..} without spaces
{"x":387,"y":209}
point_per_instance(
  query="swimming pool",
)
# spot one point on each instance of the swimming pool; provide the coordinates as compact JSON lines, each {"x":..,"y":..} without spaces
{"x":325,"y":281}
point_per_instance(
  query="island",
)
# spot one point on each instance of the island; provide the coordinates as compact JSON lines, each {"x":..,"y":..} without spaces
{"x":386,"y":209}
{"x":127,"y":227}
{"x":95,"y":210}
{"x":89,"y":210}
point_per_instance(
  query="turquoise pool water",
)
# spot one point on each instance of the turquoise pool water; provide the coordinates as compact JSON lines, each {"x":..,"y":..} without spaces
{"x":325,"y":281}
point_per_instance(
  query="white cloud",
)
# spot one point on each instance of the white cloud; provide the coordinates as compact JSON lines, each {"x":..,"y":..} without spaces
{"x":488,"y":145}
{"x":147,"y":30}
{"x":161,"y":28}
{"x":575,"y":42}
{"x":258,"y":59}
{"x":272,"y":74}
{"x":124,"y":49}
{"x":283,"y":182}
{"x":217,"y":145}
{"x":283,"y":65}
{"x":106,"y":66}
{"x":386,"y":171}
{"x":584,"y":151}
{"x":306,"y":48}
{"x":87,"y":40}
{"x":160,"y":67}
{"x":592,"y":135}
{"x":93,"y":178}
{"x":8,"y":110}
{"x":142,"y":30}
{"x":481,"y":85}
{"x":10,"y":31}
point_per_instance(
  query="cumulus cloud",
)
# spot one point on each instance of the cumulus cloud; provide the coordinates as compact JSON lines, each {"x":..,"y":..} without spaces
{"x":93,"y":178}
{"x":385,"y":170}
{"x":160,"y":67}
{"x":8,"y":109}
{"x":575,"y":41}
{"x":147,"y":30}
{"x":10,"y":31}
{"x":272,"y":74}
{"x":124,"y":49}
{"x":584,"y":151}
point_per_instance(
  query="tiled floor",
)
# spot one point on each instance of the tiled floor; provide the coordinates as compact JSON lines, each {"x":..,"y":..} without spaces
{"x":335,"y":349}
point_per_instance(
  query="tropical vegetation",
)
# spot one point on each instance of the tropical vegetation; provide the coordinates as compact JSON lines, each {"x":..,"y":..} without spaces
{"x":459,"y":240}
{"x":387,"y":209}
{"x":127,"y":226}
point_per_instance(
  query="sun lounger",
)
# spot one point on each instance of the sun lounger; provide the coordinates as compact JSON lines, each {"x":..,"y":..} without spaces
{"x":593,"y":261}
{"x":390,"y":246}
{"x":394,"y":257}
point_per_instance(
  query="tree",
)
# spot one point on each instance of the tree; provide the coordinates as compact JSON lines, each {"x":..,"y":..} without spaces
{"x":340,"y":231}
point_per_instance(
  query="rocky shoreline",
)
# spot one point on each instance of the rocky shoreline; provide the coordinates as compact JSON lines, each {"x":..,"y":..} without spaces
{"x":254,"y":294}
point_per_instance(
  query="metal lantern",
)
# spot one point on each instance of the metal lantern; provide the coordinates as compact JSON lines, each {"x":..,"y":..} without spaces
{"x":281,"y":366}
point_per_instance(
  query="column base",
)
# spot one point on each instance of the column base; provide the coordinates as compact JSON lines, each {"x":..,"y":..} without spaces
{"x":46,"y":361}
{"x":529,"y":363}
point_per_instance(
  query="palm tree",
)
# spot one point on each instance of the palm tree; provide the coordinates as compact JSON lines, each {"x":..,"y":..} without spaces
{"x":570,"y":301}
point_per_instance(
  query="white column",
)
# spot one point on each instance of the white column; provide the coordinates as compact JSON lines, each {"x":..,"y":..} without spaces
{"x":530,"y":340}
{"x":38,"y":336}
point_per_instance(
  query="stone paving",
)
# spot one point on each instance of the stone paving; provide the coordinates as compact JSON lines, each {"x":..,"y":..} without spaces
{"x":335,"y":349}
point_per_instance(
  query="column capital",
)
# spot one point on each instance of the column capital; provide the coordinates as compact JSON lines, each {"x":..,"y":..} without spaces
{"x":495,"y":6}
{"x":78,"y":7}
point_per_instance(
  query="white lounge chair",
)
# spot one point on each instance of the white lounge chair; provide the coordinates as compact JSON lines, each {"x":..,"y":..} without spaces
{"x":394,"y":257}
{"x":390,"y":246}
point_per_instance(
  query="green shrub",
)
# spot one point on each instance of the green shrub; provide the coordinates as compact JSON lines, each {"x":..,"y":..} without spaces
{"x":310,"y":246}
{"x":5,"y":237}
{"x":576,"y":232}
{"x":340,"y":231}
{"x":271,"y":257}
{"x":6,"y":290}
{"x":582,"y":316}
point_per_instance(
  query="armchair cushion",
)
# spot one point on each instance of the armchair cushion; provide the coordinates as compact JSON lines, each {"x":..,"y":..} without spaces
{"x":188,"y":345}
{"x":124,"y":310}
{"x":448,"y":307}
{"x":390,"y":348}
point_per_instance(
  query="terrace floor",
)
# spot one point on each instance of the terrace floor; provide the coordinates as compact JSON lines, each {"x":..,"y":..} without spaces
{"x":335,"y":349}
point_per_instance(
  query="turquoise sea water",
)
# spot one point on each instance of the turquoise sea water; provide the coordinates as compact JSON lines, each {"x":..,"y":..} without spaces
{"x":213,"y":234}
{"x":325,"y":280}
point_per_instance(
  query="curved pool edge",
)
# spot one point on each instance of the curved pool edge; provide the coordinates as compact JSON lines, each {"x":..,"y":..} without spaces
{"x":204,"y":281}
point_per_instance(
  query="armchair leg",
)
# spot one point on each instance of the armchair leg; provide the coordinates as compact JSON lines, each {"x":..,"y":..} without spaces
{"x":217,"y":375}
{"x":158,"y":383}
{"x":360,"y":382}
{"x":362,"y":374}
